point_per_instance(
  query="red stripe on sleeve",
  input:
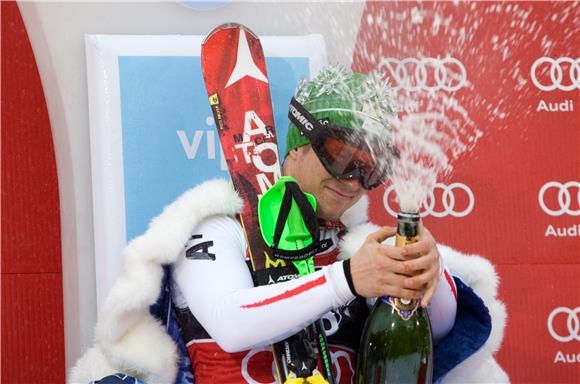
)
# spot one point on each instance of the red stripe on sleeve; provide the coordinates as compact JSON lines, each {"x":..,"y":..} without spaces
{"x":288,"y":294}
{"x":451,"y":283}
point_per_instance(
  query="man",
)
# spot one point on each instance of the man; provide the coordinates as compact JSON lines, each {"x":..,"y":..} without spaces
{"x":227,"y":323}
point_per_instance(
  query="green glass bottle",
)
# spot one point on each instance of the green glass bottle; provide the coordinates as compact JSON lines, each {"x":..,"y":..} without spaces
{"x":396,"y":343}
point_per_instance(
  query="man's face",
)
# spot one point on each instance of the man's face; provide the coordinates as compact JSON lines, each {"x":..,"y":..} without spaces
{"x":333,"y":196}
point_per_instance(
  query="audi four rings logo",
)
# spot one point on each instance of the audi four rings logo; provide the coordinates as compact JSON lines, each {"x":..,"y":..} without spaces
{"x":565,"y":198}
{"x":563,"y":74}
{"x":572,"y":324}
{"x":427,"y":74}
{"x":448,"y":201}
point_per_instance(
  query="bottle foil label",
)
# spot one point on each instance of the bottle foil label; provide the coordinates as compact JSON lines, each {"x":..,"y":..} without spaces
{"x":404,"y":308}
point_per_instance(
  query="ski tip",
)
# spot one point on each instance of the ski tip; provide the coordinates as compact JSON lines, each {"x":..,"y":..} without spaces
{"x":248,"y":30}
{"x":229,"y":25}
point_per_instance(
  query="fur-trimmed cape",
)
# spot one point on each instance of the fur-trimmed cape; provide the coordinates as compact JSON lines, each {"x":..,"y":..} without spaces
{"x":129,"y":339}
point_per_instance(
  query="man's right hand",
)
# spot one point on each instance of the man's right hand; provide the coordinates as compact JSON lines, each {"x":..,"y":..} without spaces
{"x":377,"y":269}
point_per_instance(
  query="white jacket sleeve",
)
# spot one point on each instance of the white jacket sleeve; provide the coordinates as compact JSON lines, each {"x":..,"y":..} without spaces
{"x":216,"y":285}
{"x":442,"y":308}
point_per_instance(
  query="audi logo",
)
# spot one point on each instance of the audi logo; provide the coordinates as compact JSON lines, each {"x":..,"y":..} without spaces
{"x":565,"y":198}
{"x":448,"y":201}
{"x":428,"y":74}
{"x":572,"y":324}
{"x":560,"y":76}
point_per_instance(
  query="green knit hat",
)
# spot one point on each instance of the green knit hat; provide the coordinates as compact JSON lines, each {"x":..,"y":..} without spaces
{"x":349,"y":100}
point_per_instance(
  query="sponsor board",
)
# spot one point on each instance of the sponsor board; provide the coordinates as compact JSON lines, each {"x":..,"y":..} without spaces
{"x":563,"y":325}
{"x":560,"y":74}
{"x":558,"y":199}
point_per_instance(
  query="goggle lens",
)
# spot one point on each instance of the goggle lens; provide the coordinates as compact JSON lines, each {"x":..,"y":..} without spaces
{"x":344,"y":160}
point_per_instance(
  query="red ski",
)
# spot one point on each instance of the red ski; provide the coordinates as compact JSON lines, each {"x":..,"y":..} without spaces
{"x":234,"y":70}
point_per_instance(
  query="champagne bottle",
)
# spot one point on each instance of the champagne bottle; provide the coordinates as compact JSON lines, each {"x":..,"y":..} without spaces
{"x":396,"y":343}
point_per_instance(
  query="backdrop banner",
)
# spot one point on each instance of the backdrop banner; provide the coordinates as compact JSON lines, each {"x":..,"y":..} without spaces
{"x":512,"y":69}
{"x":152,"y":131}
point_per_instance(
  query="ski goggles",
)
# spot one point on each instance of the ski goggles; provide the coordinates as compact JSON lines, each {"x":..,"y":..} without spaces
{"x":345,"y":153}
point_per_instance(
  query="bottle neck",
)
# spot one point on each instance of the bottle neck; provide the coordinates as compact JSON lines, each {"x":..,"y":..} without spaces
{"x":407,"y":233}
{"x":407,"y":228}
{"x":408,"y":224}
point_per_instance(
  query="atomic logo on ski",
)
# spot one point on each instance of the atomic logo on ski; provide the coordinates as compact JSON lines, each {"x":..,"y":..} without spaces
{"x":245,"y":65}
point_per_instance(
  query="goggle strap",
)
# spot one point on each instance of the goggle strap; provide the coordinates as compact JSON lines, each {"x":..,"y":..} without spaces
{"x":301,"y":118}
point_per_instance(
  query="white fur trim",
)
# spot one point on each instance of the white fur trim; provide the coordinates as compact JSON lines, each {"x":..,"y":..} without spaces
{"x":481,"y":276}
{"x":474,"y":270}
{"x":146,"y":351}
{"x":91,"y":366}
{"x":354,"y":239}
{"x":128,"y":339}
{"x":357,"y":214}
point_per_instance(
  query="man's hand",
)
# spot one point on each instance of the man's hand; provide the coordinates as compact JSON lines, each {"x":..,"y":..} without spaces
{"x":409,"y":272}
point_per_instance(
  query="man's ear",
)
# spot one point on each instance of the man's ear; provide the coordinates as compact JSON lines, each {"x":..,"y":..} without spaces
{"x":302,"y":150}
{"x":290,"y":160}
{"x":293,"y":153}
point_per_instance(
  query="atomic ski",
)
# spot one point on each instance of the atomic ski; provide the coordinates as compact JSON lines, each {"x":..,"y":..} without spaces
{"x":234,"y":71}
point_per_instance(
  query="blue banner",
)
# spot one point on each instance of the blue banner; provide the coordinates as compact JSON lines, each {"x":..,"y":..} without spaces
{"x":169,"y":139}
